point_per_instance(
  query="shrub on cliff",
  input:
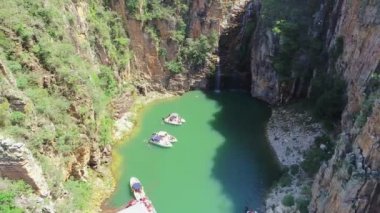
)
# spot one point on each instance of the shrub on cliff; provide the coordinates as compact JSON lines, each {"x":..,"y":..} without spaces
{"x":7,"y":196}
{"x":320,"y":151}
{"x":196,"y":51}
{"x":288,"y":200}
{"x":331,"y":100}
{"x":4,"y":113}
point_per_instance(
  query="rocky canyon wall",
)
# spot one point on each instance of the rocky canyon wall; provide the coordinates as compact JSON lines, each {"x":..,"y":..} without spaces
{"x":350,"y":180}
{"x":350,"y":50}
{"x":157,"y":41}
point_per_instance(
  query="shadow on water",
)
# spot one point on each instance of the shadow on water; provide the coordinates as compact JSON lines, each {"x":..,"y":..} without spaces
{"x":245,"y":164}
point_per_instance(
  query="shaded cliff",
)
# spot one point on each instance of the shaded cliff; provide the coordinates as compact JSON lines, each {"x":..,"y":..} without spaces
{"x":330,"y":58}
{"x":350,"y":180}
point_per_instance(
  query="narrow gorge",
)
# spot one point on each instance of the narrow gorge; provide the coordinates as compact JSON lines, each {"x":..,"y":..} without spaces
{"x":75,"y":74}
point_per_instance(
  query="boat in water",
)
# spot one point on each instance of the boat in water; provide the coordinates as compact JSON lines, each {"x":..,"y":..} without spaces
{"x":137,"y":188}
{"x":174,"y":119}
{"x":163,"y":139}
{"x":141,"y":203}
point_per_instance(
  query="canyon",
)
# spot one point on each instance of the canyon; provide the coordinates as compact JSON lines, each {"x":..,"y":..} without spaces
{"x":70,"y":69}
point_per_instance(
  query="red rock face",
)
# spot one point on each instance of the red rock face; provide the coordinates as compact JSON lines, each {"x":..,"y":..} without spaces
{"x":350,"y":182}
{"x":360,"y":29}
{"x":204,"y":18}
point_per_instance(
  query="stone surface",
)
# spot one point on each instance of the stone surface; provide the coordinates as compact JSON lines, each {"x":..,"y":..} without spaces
{"x":18,"y":163}
{"x":291,"y":133}
{"x":349,"y":182}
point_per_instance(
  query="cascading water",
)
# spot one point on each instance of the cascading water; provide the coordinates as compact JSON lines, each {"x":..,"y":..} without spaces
{"x":246,"y":17}
{"x":217,"y":77}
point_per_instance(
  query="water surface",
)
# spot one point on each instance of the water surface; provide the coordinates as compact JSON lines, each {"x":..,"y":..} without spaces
{"x":221,"y":162}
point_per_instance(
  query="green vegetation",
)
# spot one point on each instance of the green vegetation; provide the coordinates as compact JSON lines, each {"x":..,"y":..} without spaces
{"x":193,"y":53}
{"x":4,"y":113}
{"x":175,"y":66}
{"x":303,"y":201}
{"x":320,"y":151}
{"x":299,"y":55}
{"x":44,"y":40}
{"x":51,"y":55}
{"x":7,"y":196}
{"x":372,"y":93}
{"x":294,"y":169}
{"x":77,"y":189}
{"x":283,"y":61}
{"x":328,"y":96}
{"x":155,"y":9}
{"x":288,"y":200}
{"x":285,"y":180}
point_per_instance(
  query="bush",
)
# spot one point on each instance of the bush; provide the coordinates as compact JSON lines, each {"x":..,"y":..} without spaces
{"x":328,"y":96}
{"x":81,"y":191}
{"x":17,"y":118}
{"x":302,"y":205}
{"x":314,"y":157}
{"x":303,"y":202}
{"x":105,"y":130}
{"x":288,"y":200}
{"x":175,"y":66}
{"x":7,"y":195}
{"x":107,"y":80}
{"x":294,"y":169}
{"x":4,"y":113}
{"x":366,"y":109}
{"x":285,"y":180}
{"x":196,"y":51}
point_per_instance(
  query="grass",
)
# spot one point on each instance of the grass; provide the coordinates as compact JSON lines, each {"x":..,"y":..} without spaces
{"x":40,"y":38}
{"x":12,"y":190}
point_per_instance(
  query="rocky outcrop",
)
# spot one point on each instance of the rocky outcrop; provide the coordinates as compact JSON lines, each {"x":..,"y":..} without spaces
{"x":291,"y":133}
{"x":8,"y":92}
{"x":265,"y":83}
{"x":152,"y":52}
{"x":350,"y":181}
{"x":205,"y":17}
{"x":18,"y":163}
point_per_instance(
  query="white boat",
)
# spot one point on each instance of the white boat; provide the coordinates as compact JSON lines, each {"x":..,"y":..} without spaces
{"x":174,"y":119}
{"x":137,"y":188}
{"x":160,"y":140}
{"x":167,"y":136}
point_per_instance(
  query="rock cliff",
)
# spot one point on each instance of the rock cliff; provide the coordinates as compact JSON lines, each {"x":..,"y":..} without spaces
{"x":350,"y":180}
{"x":343,"y":41}
{"x":18,"y":163}
{"x":159,"y":34}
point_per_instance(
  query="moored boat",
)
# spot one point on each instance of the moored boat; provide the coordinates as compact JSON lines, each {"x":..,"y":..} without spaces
{"x":167,"y":136}
{"x":137,"y":188}
{"x":174,"y":119}
{"x":162,"y":139}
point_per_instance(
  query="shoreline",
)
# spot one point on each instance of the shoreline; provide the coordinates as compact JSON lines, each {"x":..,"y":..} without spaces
{"x":290,"y":134}
{"x":125,"y":127}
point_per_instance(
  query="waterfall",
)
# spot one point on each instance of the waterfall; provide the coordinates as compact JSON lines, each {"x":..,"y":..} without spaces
{"x":217,"y":77}
{"x":246,"y":17}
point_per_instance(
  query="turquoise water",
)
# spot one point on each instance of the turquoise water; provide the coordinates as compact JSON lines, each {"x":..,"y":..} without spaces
{"x":221,"y":162}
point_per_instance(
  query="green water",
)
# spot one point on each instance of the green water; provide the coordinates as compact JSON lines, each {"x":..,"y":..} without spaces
{"x":221,"y":162}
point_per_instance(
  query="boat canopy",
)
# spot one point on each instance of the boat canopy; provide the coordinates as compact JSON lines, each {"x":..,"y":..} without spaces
{"x":136,"y":186}
{"x":156,"y":137}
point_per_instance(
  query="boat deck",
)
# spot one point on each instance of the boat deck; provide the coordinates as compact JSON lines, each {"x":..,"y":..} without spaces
{"x":139,"y":207}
